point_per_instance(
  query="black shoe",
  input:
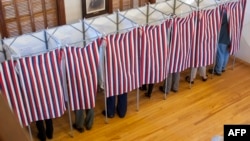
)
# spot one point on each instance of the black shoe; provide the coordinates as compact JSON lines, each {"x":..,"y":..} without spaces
{"x":109,"y":116}
{"x":121,"y":116}
{"x":187,"y":78}
{"x":148,"y":95}
{"x":88,"y":128}
{"x":223,"y":70}
{"x":78,"y":129}
{"x":49,"y":134}
{"x":143,"y":88}
{"x":41,"y":137}
{"x":214,"y":72}
{"x":162,"y":89}
{"x":175,"y":91}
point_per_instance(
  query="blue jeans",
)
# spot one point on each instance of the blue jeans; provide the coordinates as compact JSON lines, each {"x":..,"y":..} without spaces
{"x":222,"y":57}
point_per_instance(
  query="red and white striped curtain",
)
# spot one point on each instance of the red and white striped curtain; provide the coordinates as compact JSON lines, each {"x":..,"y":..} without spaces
{"x":154,"y":53}
{"x":235,"y":12}
{"x":182,"y":37}
{"x":32,"y":87}
{"x":206,"y":37}
{"x":41,"y":83}
{"x":81,"y":70}
{"x":12,"y":92}
{"x":121,"y":64}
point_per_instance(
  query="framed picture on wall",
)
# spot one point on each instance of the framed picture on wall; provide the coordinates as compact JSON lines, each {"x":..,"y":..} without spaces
{"x":92,"y":8}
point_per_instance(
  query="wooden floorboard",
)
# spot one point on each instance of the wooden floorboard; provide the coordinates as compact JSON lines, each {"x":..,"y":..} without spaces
{"x":195,"y":113}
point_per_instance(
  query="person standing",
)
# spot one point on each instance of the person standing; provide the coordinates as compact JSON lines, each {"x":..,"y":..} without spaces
{"x":222,"y":54}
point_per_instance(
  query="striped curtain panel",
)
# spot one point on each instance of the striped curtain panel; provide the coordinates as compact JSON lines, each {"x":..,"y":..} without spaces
{"x":235,"y":12}
{"x":182,"y":37}
{"x":11,"y":90}
{"x":207,"y":34}
{"x":41,"y":83}
{"x":81,"y":70}
{"x":121,"y":66}
{"x":154,"y":53}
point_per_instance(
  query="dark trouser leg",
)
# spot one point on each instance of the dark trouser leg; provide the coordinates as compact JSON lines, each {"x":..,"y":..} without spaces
{"x":169,"y":83}
{"x":163,"y":87}
{"x":49,"y":128}
{"x":150,"y":89}
{"x":89,"y":118}
{"x":111,"y":106}
{"x":175,"y":81}
{"x":122,"y":105}
{"x":79,"y":118}
{"x":143,"y":87}
{"x":41,"y":130}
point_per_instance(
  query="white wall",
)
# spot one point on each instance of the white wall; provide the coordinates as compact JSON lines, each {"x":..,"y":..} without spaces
{"x":244,"y":52}
{"x":73,"y":10}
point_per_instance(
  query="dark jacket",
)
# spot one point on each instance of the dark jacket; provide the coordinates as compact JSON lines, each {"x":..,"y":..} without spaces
{"x":224,"y":32}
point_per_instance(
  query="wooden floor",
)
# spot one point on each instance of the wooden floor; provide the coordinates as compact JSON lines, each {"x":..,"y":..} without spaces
{"x":194,"y":113}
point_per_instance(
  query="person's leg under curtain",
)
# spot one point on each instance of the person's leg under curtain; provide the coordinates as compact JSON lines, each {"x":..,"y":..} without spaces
{"x":41,"y":130}
{"x":49,"y":128}
{"x":163,"y":88}
{"x":176,"y":80}
{"x":193,"y":74}
{"x":89,"y":118}
{"x":122,"y":105}
{"x":168,"y":86}
{"x":150,"y":89}
{"x":219,"y":58}
{"x":226,"y":58}
{"x":202,"y":71}
{"x":79,"y":120}
{"x":110,"y":107}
